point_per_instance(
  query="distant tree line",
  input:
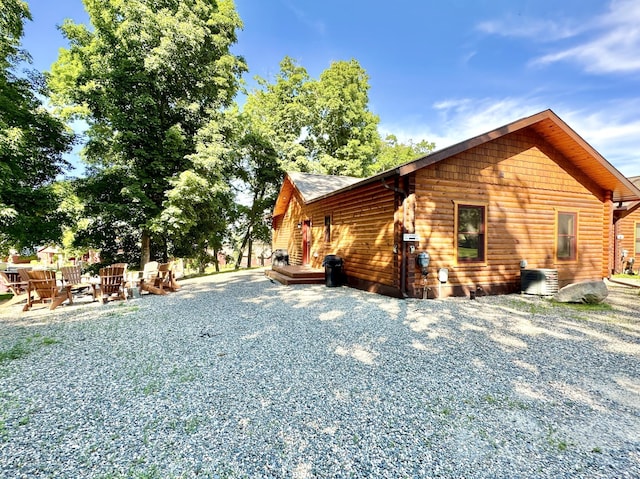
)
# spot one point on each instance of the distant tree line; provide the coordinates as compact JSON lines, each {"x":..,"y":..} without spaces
{"x":175,"y":165}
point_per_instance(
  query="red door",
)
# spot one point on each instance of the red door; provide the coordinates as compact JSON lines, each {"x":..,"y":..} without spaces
{"x":306,"y":242}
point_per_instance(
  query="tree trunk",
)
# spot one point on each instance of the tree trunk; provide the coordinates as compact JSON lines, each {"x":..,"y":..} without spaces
{"x":216,"y":263}
{"x":242,"y":247}
{"x":145,"y":249}
{"x":249,"y":253}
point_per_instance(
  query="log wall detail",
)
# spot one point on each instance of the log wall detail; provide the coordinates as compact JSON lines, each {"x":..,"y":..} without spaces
{"x":524,"y":186}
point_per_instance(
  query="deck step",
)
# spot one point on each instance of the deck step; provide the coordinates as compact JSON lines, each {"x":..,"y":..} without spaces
{"x":298,"y":278}
{"x":294,"y":271}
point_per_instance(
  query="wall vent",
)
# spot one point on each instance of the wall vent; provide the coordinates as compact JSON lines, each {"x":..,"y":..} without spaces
{"x":543,"y":282}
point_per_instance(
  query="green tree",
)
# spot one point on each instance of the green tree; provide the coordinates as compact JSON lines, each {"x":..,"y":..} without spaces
{"x":200,"y":205}
{"x":109,"y":218}
{"x":283,"y":111}
{"x":344,"y":137}
{"x":319,"y":126}
{"x":259,"y":174}
{"x":32,"y":144}
{"x":146,"y":77}
{"x":394,"y":153}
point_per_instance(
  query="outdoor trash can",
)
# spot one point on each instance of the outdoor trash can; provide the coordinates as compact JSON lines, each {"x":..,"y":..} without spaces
{"x":280,"y":258}
{"x":332,"y":270}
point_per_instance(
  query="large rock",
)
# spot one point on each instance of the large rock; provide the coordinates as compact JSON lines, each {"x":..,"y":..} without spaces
{"x":590,"y":292}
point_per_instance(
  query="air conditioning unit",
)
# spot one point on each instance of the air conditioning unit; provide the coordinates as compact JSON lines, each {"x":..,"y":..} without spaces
{"x":543,"y":282}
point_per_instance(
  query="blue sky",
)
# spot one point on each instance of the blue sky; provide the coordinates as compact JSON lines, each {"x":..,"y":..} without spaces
{"x":445,"y":71}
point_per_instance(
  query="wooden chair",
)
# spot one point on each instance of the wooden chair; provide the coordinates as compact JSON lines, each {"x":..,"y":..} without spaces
{"x":166,"y":277}
{"x":72,"y":276}
{"x":112,"y":283}
{"x":45,"y":285}
{"x":24,"y":276}
{"x":150,"y":270}
{"x":149,"y":281}
{"x":163,"y":281}
{"x":17,"y":288}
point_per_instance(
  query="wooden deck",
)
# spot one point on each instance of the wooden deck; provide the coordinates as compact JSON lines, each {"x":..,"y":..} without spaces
{"x":293,"y":274}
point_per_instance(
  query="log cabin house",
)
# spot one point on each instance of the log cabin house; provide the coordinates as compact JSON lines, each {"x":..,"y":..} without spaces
{"x":530,"y":194}
{"x":627,"y":234}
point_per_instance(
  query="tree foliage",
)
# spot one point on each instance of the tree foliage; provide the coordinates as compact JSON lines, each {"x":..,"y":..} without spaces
{"x":344,"y":133}
{"x":200,"y":204}
{"x":174,"y":167}
{"x":320,"y":126}
{"x":394,"y":153}
{"x":32,"y":144}
{"x":259,"y":172}
{"x":146,"y":78}
{"x":283,"y":111}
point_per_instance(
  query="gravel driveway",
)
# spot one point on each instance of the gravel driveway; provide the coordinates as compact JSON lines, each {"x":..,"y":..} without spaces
{"x":235,"y":376}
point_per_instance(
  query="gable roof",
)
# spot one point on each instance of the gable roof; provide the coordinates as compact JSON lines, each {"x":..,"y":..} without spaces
{"x":593,"y":168}
{"x":560,"y":136}
{"x":310,"y":187}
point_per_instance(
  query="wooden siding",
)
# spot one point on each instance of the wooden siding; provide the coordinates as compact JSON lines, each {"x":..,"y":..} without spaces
{"x":363,"y":233}
{"x":522,"y":180}
{"x":627,"y":228}
{"x":524,"y":183}
{"x":286,"y":234}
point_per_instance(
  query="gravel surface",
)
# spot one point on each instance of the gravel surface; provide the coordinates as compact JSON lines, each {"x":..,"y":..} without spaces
{"x":235,"y":376}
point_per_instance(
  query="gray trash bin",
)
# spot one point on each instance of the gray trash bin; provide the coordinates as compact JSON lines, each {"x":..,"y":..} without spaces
{"x":332,"y":270}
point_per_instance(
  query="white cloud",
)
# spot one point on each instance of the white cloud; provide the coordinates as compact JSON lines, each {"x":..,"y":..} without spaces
{"x":608,"y":43}
{"x":614,"y":45}
{"x":522,"y":27}
{"x":459,"y":119}
{"x":613,"y":129}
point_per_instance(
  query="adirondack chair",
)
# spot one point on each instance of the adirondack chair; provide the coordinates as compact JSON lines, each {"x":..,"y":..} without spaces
{"x":45,"y":285}
{"x":24,"y":276}
{"x":166,"y":277}
{"x":112,"y":283}
{"x":72,"y":276}
{"x":17,"y":288}
{"x":150,"y":279}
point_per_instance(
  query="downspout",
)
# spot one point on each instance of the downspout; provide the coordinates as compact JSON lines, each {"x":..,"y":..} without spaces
{"x":403,"y":262}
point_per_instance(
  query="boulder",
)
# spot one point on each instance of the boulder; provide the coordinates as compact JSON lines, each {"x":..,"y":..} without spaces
{"x":589,"y":292}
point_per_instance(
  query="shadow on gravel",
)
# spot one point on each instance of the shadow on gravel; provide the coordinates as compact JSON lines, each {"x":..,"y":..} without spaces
{"x":256,"y":379}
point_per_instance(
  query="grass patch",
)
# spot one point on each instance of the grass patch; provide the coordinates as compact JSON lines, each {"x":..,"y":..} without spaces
{"x":24,"y":347}
{"x":16,"y":351}
{"x":121,"y":310}
{"x":529,"y":306}
{"x":555,"y":442}
{"x":599,"y":307}
{"x":632,"y":277}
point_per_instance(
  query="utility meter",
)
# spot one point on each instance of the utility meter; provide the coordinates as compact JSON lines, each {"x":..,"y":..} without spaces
{"x":423,"y":262}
